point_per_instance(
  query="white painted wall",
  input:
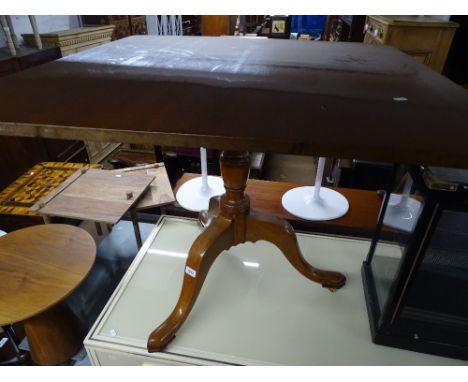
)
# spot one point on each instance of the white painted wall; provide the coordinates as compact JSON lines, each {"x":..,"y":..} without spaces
{"x":44,"y":23}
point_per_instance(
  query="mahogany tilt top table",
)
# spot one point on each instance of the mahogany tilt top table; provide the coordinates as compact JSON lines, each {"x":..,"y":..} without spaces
{"x":237,"y":95}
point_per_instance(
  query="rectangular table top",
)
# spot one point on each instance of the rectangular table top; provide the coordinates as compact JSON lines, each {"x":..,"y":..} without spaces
{"x":347,"y":100}
{"x":96,"y":195}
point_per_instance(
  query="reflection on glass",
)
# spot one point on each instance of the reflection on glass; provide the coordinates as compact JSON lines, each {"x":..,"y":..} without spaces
{"x":439,"y":290}
{"x":401,"y":216}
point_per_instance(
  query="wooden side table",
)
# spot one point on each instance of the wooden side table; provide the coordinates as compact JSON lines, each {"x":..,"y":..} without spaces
{"x":39,"y":267}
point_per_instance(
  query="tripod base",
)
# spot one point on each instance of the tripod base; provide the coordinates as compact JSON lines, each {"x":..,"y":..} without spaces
{"x":300,"y":202}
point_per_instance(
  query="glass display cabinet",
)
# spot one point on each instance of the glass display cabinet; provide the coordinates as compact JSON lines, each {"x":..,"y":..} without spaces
{"x":416,"y":273}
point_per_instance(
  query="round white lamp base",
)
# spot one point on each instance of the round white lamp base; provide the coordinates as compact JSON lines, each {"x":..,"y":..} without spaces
{"x":402,"y":216}
{"x":191,"y":196}
{"x":300,"y":202}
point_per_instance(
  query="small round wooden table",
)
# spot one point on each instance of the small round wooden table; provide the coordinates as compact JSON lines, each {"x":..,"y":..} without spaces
{"x":39,"y":267}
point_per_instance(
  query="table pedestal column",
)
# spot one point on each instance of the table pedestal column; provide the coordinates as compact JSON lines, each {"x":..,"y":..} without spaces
{"x":229,"y":221}
{"x":54,"y":336}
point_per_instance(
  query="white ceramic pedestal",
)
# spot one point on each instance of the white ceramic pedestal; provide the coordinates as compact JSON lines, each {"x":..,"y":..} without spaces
{"x":315,"y":203}
{"x":193,"y":197}
{"x":195,"y":194}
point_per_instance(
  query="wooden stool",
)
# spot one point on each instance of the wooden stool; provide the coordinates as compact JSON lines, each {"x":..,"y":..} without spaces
{"x":39,"y":267}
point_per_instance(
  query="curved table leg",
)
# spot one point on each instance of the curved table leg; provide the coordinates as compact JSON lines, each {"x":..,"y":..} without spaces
{"x":280,"y":233}
{"x":204,"y":251}
{"x":229,"y":222}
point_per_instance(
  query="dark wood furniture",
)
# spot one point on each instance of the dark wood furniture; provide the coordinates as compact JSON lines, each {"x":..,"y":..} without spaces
{"x":39,"y":267}
{"x":26,"y":57}
{"x":20,"y":154}
{"x":345,"y":28}
{"x":456,"y":65}
{"x":206,"y":97}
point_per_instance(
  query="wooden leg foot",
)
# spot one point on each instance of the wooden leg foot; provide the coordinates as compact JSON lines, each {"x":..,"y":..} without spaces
{"x":280,"y":233}
{"x":204,"y":251}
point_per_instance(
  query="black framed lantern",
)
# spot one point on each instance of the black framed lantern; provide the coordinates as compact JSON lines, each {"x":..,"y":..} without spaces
{"x":416,"y":273}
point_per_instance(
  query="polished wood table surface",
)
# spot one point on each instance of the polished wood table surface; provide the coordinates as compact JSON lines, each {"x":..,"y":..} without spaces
{"x":274,"y":95}
{"x":39,"y":267}
{"x":265,"y":196}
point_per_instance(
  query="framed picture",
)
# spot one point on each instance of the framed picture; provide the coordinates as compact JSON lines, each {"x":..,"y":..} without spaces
{"x":280,"y":26}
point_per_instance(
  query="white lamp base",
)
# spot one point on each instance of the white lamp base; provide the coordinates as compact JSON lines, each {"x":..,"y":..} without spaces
{"x":191,"y":196}
{"x":300,"y":202}
{"x":402,"y":217}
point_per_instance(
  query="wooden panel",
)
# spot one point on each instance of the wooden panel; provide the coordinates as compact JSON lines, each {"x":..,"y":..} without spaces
{"x":427,"y":39}
{"x":265,"y":196}
{"x":278,"y":86}
{"x":216,"y":25}
{"x":36,"y":183}
{"x":97,"y":195}
{"x":159,"y":192}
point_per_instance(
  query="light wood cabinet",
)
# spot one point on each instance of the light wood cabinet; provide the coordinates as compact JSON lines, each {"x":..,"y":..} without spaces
{"x":73,"y":40}
{"x":425,"y":38}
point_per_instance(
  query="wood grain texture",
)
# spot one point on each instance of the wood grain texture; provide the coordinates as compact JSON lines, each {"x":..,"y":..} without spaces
{"x":54,"y":335}
{"x":265,"y":196}
{"x":159,"y":192}
{"x":98,"y":195}
{"x":39,"y":266}
{"x":200,"y":91}
{"x":425,"y":38}
{"x":34,"y":184}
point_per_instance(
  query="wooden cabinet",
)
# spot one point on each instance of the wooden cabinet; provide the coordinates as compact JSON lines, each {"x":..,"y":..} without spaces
{"x":217,"y":25}
{"x":73,"y":40}
{"x":426,"y":38}
{"x":124,"y":25}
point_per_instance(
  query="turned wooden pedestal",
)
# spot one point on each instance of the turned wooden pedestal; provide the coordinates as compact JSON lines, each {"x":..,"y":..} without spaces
{"x":229,"y":221}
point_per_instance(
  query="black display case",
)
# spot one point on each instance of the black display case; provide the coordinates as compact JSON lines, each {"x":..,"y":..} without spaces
{"x":416,"y":273}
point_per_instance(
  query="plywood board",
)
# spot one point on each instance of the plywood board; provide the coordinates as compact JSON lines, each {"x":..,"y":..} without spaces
{"x":159,"y":192}
{"x":98,"y":195}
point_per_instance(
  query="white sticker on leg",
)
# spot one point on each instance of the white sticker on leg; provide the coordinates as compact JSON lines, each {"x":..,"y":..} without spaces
{"x":190,"y":271}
